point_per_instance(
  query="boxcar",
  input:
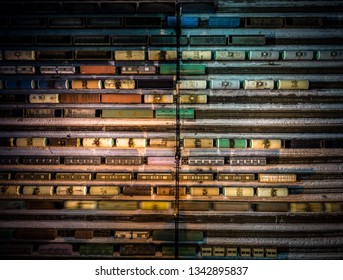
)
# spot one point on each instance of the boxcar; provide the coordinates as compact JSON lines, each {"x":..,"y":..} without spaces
{"x":160,"y":161}
{"x":131,"y":142}
{"x":40,"y":113}
{"x":71,"y":190}
{"x":137,"y":250}
{"x":16,"y":250}
{"x":140,"y":234}
{"x":129,"y":55}
{"x":97,"y":69}
{"x":73,"y":176}
{"x":19,"y":55}
{"x":44,"y":98}
{"x":138,"y":190}
{"x":32,"y":176}
{"x":168,"y":40}
{"x":155,"y":205}
{"x":199,"y":191}
{"x":185,"y":69}
{"x":121,"y":98}
{"x":185,"y":21}
{"x":162,"y":55}
{"x":271,"y":253}
{"x":223,"y":22}
{"x":41,"y":160}
{"x":258,"y":84}
{"x":183,"y":250}
{"x":9,"y":160}
{"x":79,"y":113}
{"x":80,"y":98}
{"x":307,"y":207}
{"x":277,"y":178}
{"x":86,"y":84}
{"x":65,"y":142}
{"x":104,"y":190}
{"x":292,"y":84}
{"x":333,"y":206}
{"x":271,"y":207}
{"x":297,"y":55}
{"x":263,"y":55}
{"x":119,"y":84}
{"x":8,"y":70}
{"x":206,"y":251}
{"x":38,"y":190}
{"x":26,"y":69}
{"x":98,"y":142}
{"x":123,"y":234}
{"x":34,"y":142}
{"x":197,"y":143}
{"x":5,"y":175}
{"x":196,"y":55}
{"x":229,"y":55}
{"x":300,"y":22}
{"x":84,"y":234}
{"x":265,"y":144}
{"x":240,"y":191}
{"x":225,"y":84}
{"x":193,"y":99}
{"x":159,"y":98}
{"x":218,"y":251}
{"x":246,"y":40}
{"x":210,"y":40}
{"x":194,"y":205}
{"x":271,"y":192}
{"x":9,"y":190}
{"x":130,"y":40}
{"x":93,"y":55}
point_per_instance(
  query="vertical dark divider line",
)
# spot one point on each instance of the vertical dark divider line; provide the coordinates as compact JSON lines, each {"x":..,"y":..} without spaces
{"x":177,"y":127}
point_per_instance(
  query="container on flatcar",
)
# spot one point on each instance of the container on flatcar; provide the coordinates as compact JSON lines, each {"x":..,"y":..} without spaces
{"x":263,"y":55}
{"x":184,"y":69}
{"x":54,"y":70}
{"x":71,"y":190}
{"x":208,"y":160}
{"x":161,"y":160}
{"x":193,"y":99}
{"x":20,"y":84}
{"x":131,"y":142}
{"x":154,"y":176}
{"x":197,"y":143}
{"x":79,"y":113}
{"x":129,"y":55}
{"x":155,"y":205}
{"x":159,"y":98}
{"x":185,"y":21}
{"x":196,"y":177}
{"x":271,"y":192}
{"x":265,"y":144}
{"x":128,"y":113}
{"x":199,"y":191}
{"x":229,"y":55}
{"x":124,"y":160}
{"x":162,"y":143}
{"x":86,"y":84}
{"x":162,"y":55}
{"x":119,"y":84}
{"x":80,"y":204}
{"x":292,"y":84}
{"x":277,"y":178}
{"x":170,"y":191}
{"x":34,"y":142}
{"x":97,"y":69}
{"x":329,"y":55}
{"x":223,"y":22}
{"x":247,"y":161}
{"x":19,"y":55}
{"x":121,"y":98}
{"x":258,"y":84}
{"x":38,"y":190}
{"x":138,"y":70}
{"x":239,"y":191}
{"x":236,"y":177}
{"x":196,"y":55}
{"x":193,"y":84}
{"x":9,"y":190}
{"x":104,"y":190}
{"x":225,"y":84}
{"x":65,"y":142}
{"x":297,"y":55}
{"x":53,"y":84}
{"x":44,"y":98}
{"x":98,"y":142}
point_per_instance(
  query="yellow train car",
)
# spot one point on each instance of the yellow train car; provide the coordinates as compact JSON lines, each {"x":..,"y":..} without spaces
{"x":162,"y":143}
{"x":131,"y":142}
{"x":86,"y":84}
{"x":19,"y":55}
{"x":118,"y":205}
{"x":193,"y":99}
{"x":196,"y":55}
{"x":240,"y":191}
{"x":71,"y":190}
{"x":199,"y":191}
{"x":155,"y":176}
{"x":98,"y":142}
{"x":80,"y":205}
{"x":258,"y":84}
{"x":162,"y":55}
{"x":129,"y":55}
{"x":265,"y":144}
{"x":104,"y":190}
{"x":159,"y":98}
{"x":292,"y":84}
{"x":271,"y":192}
{"x":155,"y":205}
{"x":198,"y":143}
{"x":193,"y":84}
{"x":38,"y":190}
{"x":119,"y":84}
{"x":31,"y":142}
{"x":307,"y":207}
{"x":277,"y":178}
{"x":9,"y":190}
{"x":44,"y":98}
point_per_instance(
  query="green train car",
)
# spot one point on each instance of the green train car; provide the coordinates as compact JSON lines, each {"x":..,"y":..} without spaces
{"x":171,"y":113}
{"x":127,"y":113}
{"x":187,"y":251}
{"x":96,"y":249}
{"x":186,"y":69}
{"x":232,"y":143}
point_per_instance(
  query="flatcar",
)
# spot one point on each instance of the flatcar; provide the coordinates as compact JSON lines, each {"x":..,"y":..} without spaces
{"x":225,"y":84}
{"x":155,"y":205}
{"x":54,"y":70}
{"x":184,"y":69}
{"x":90,"y":160}
{"x":258,"y":84}
{"x":97,"y":69}
{"x":34,"y":142}
{"x":277,"y":178}
{"x":86,"y":84}
{"x":119,"y":84}
{"x":229,"y":55}
{"x":65,"y":142}
{"x":196,"y":177}
{"x":79,"y":113}
{"x":71,"y":190}
{"x":196,"y":55}
{"x":138,"y":70}
{"x":9,"y":190}
{"x":137,"y":250}
{"x":236,"y":177}
{"x":55,"y":249}
{"x":162,"y":143}
{"x":247,"y":40}
{"x":232,"y":143}
{"x":127,"y":113}
{"x":73,"y":176}
{"x":159,"y":98}
{"x":223,"y":22}
{"x":197,"y":143}
{"x":138,"y":190}
{"x":80,"y":204}
{"x":53,"y":84}
{"x":44,"y":98}
{"x":124,"y":160}
{"x":199,"y":191}
{"x":129,"y":55}
{"x":271,"y":192}
{"x":292,"y":84}
{"x":131,"y":142}
{"x":36,"y":176}
{"x":297,"y":55}
{"x":20,"y":84}
{"x":160,"y":161}
{"x":96,"y":249}
{"x":264,"y":22}
{"x":162,"y":55}
{"x":118,"y":205}
{"x":38,"y":190}
{"x":170,"y":191}
{"x":19,"y":55}
{"x":329,"y":55}
{"x":121,"y":98}
{"x":263,"y":55}
{"x":98,"y":142}
{"x":265,"y":144}
{"x":240,"y":191}
{"x":113,"y":176}
{"x":155,"y":176}
{"x":193,"y":99}
{"x":246,"y":161}
{"x":209,"y":160}
{"x":185,"y":21}
{"x":104,"y":190}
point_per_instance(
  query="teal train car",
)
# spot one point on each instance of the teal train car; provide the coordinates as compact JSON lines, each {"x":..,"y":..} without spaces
{"x":185,"y":69}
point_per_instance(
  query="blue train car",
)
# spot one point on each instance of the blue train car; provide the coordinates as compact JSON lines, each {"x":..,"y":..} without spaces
{"x":223,"y":22}
{"x":53,"y":84}
{"x":20,"y":84}
{"x":186,"y":21}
